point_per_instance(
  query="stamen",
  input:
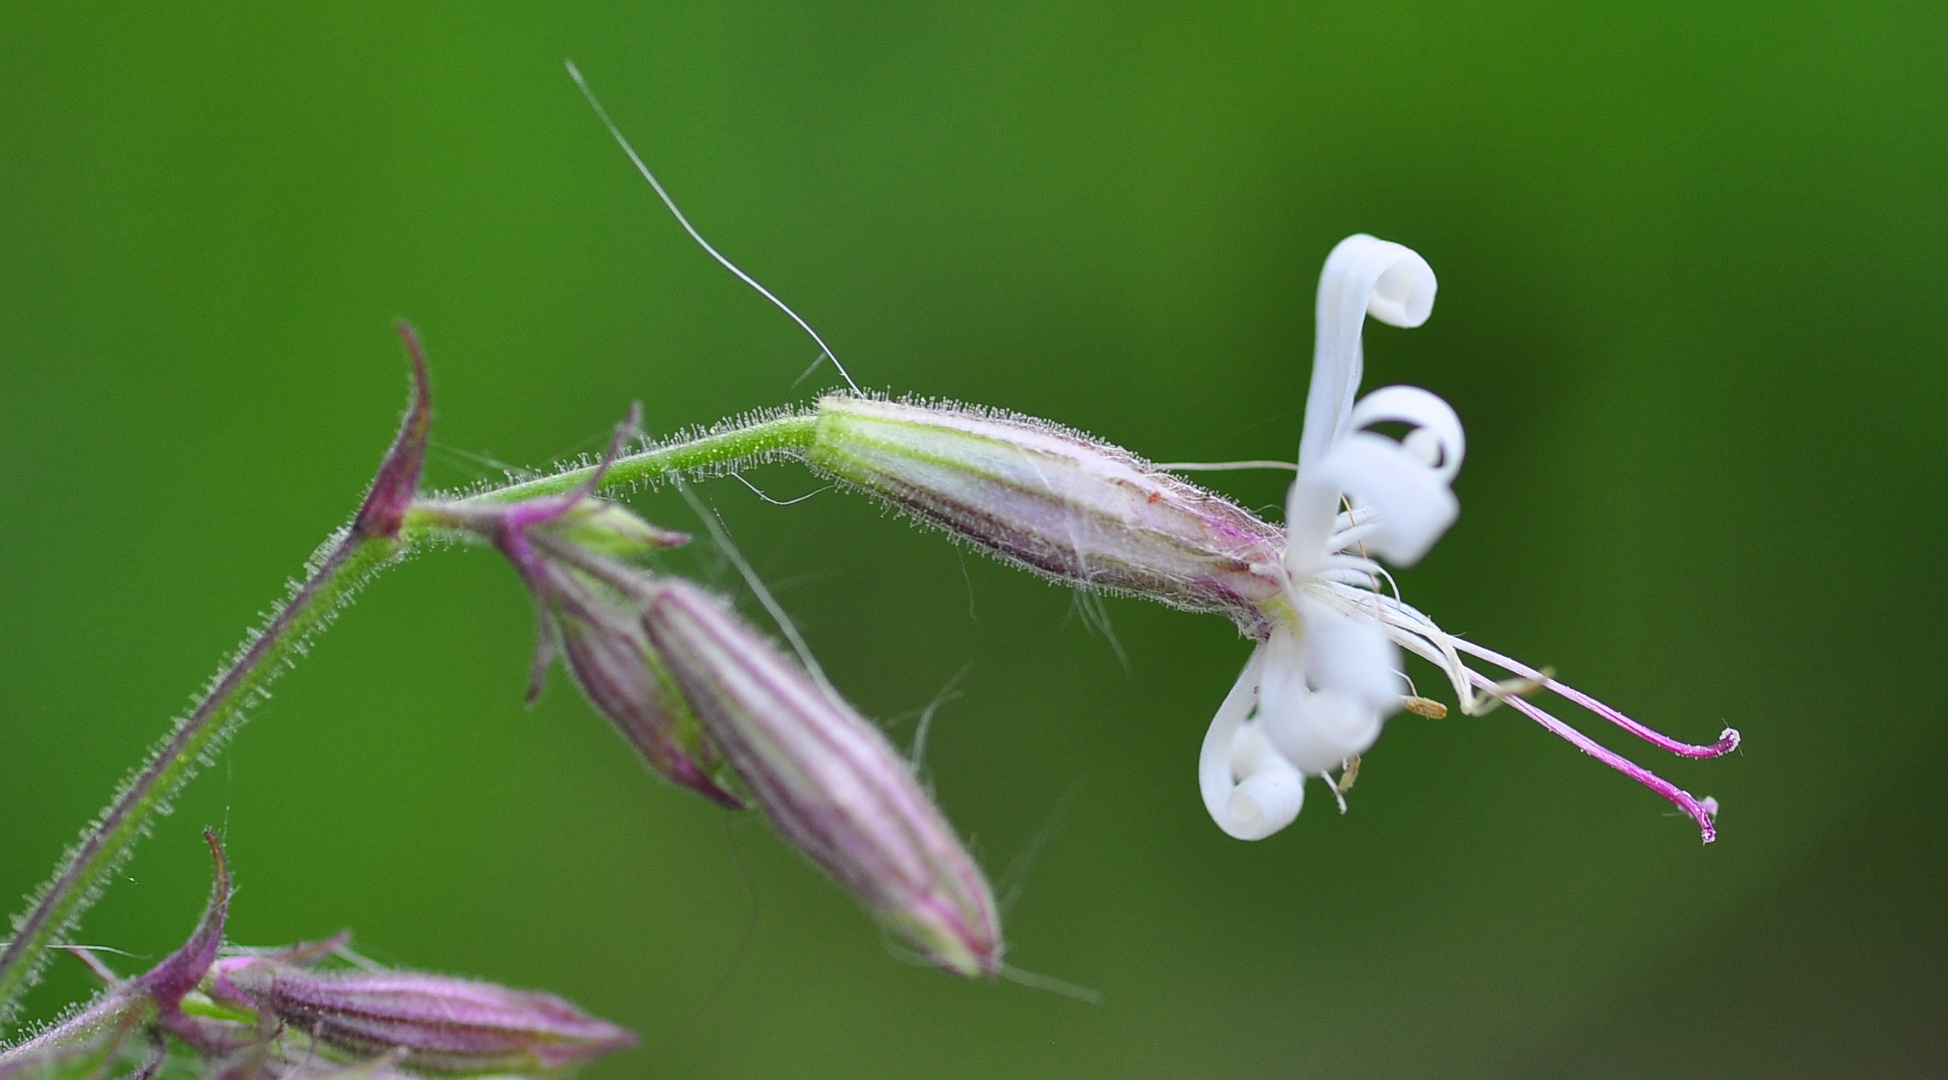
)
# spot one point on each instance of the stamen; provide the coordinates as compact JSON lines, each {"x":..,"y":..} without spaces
{"x":1701,"y":811}
{"x":1338,"y":793}
{"x":1726,"y":743}
{"x":1348,"y":773}
{"x":1420,"y":706}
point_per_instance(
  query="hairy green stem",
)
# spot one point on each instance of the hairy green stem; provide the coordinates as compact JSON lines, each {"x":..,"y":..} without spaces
{"x":716,"y":450}
{"x":350,"y":561}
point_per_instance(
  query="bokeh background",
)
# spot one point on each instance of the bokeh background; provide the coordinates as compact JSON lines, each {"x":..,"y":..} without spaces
{"x":1692,"y":272}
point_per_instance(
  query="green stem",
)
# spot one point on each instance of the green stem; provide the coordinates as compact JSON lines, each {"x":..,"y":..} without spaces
{"x":741,"y":445}
{"x":351,"y":561}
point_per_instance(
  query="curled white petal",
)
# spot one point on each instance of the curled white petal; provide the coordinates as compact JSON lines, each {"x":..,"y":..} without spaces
{"x":1362,"y":276}
{"x":1264,"y":802}
{"x":1403,"y":295}
{"x":1249,"y":790}
{"x":1270,"y":791}
{"x":1311,"y":514}
{"x":1322,"y":695}
{"x":1433,"y":419}
{"x":1411,"y":502}
{"x":1319,"y":731}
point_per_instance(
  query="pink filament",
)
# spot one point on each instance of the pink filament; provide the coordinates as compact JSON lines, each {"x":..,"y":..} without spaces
{"x":1699,"y":811}
{"x":1725,"y":744}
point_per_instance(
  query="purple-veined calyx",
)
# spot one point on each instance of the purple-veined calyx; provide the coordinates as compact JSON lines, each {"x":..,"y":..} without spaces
{"x":273,"y":1014}
{"x":1053,"y":501}
{"x":829,"y":780}
{"x":429,"y":1023}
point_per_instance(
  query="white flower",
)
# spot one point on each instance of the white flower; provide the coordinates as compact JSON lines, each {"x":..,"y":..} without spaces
{"x":1317,"y":690}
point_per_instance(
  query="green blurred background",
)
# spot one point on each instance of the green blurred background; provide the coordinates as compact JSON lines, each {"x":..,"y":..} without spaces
{"x":1691,"y":261}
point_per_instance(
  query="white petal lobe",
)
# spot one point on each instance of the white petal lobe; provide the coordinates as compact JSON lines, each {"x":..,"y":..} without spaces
{"x":1432,"y":418}
{"x":1351,"y":655}
{"x":1250,"y":811}
{"x":1411,"y":501}
{"x":1362,"y":276}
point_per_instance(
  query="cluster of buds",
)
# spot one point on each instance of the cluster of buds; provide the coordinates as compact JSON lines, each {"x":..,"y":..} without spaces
{"x":278,"y":1015}
{"x":714,"y":706}
{"x":595,"y":626}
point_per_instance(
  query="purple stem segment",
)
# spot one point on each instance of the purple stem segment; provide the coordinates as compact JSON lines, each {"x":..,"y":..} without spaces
{"x":1726,"y":743}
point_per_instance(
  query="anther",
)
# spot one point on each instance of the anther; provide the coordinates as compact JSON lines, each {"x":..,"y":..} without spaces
{"x":1349,"y":773}
{"x":1511,"y":688}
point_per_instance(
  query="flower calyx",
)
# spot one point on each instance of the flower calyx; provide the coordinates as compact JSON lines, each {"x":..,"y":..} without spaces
{"x":424,"y":1022}
{"x":829,"y":781}
{"x":1059,"y":503}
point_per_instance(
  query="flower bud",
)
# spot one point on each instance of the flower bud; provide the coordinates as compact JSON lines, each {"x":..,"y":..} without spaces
{"x":611,"y":529}
{"x":560,"y":545}
{"x":828,"y":780}
{"x":601,"y":638}
{"x":433,"y":1022}
{"x":1053,"y":501}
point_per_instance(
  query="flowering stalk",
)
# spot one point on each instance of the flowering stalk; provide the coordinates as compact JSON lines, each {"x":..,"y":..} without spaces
{"x":350,"y":561}
{"x":689,"y":684}
{"x":345,"y":563}
{"x":723,"y":448}
{"x":379,"y":536}
{"x":1073,"y":508}
{"x":1326,"y":673}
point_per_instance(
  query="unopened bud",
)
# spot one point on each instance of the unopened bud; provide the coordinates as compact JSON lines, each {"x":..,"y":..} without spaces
{"x":1054,"y":501}
{"x":612,"y":529}
{"x":602,"y":639}
{"x":829,"y":781}
{"x":597,"y":628}
{"x":431,"y":1022}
